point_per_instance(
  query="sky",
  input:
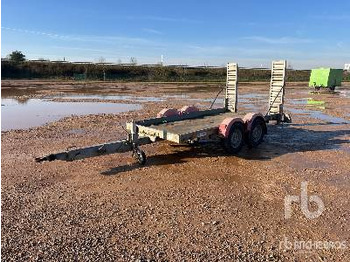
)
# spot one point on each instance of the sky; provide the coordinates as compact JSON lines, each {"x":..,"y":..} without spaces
{"x":252,"y":33}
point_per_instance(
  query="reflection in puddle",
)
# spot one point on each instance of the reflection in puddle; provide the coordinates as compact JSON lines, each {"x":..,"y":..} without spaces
{"x":36,"y":112}
{"x":139,"y":99}
{"x":312,"y":102}
{"x":344,"y":93}
{"x":302,"y":101}
{"x":307,"y":101}
{"x":143,"y":99}
{"x":252,"y":96}
{"x":320,"y":115}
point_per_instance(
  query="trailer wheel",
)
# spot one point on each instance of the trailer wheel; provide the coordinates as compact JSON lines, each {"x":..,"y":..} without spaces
{"x":234,"y":142}
{"x":256,"y":134}
{"x":140,"y":156}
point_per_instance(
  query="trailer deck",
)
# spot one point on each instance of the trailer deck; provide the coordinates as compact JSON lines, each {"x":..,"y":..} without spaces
{"x":185,"y":130}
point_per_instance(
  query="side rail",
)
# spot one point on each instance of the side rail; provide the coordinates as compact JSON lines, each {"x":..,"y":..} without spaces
{"x":174,"y":118}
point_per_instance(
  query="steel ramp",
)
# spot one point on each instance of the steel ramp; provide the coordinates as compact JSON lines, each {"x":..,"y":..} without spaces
{"x":276,"y":98}
{"x":231,"y":87}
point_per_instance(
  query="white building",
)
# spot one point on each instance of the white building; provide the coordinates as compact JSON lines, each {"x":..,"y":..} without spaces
{"x":347,"y":67}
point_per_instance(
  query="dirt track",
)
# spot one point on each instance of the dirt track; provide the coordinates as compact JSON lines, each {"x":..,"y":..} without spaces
{"x":186,"y":203}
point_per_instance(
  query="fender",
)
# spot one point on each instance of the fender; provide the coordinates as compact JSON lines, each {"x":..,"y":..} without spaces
{"x":226,"y":124}
{"x":167,"y":112}
{"x":188,"y":110}
{"x":249,"y":118}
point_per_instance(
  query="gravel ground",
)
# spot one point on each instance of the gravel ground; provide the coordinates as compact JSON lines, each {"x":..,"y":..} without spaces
{"x":187,"y":203}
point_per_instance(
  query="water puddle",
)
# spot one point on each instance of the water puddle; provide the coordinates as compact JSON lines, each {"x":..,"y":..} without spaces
{"x":244,"y":98}
{"x":344,"y":93}
{"x":141,"y":99}
{"x":319,"y":115}
{"x":312,"y":102}
{"x":299,"y":162}
{"x":129,"y":98}
{"x":138,"y":99}
{"x":36,"y":112}
{"x":306,"y":101}
{"x":251,"y":96}
{"x":21,"y":112}
{"x":302,"y":101}
{"x":249,"y":101}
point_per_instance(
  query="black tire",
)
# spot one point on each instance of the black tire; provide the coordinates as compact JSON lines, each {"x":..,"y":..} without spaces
{"x":234,"y":142}
{"x":140,"y":157}
{"x":257,"y":132}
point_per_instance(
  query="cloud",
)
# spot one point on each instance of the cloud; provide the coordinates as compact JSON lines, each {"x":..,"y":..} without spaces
{"x":52,"y":35}
{"x":340,"y":44}
{"x":278,"y":40}
{"x":80,"y":49}
{"x":152,"y":31}
{"x":331,"y":17}
{"x":87,"y":38}
{"x":164,"y":19}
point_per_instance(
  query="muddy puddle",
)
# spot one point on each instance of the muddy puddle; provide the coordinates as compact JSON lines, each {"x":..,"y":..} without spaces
{"x":344,"y":93}
{"x":250,"y":101}
{"x":252,"y":96}
{"x":23,"y":114}
{"x":130,"y":98}
{"x":244,"y":98}
{"x":21,"y":111}
{"x":138,"y":99}
{"x":319,"y":115}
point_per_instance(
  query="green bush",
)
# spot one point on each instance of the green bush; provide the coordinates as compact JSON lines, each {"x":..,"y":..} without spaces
{"x":47,"y":70}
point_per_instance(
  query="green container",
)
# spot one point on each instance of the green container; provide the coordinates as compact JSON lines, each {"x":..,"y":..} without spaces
{"x":325,"y":77}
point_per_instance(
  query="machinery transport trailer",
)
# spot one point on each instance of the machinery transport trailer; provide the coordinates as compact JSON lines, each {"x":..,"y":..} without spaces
{"x":190,"y":125}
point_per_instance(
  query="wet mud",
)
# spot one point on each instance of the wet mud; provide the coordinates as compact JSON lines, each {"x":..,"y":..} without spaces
{"x":186,"y":203}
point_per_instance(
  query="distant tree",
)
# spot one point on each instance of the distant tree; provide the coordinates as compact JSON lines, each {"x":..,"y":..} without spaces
{"x":133,"y":61}
{"x":119,"y":61}
{"x":42,"y":59}
{"x":101,"y":60}
{"x":17,"y":57}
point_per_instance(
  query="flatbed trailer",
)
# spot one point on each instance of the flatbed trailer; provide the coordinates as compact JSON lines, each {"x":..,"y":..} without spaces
{"x":190,"y":125}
